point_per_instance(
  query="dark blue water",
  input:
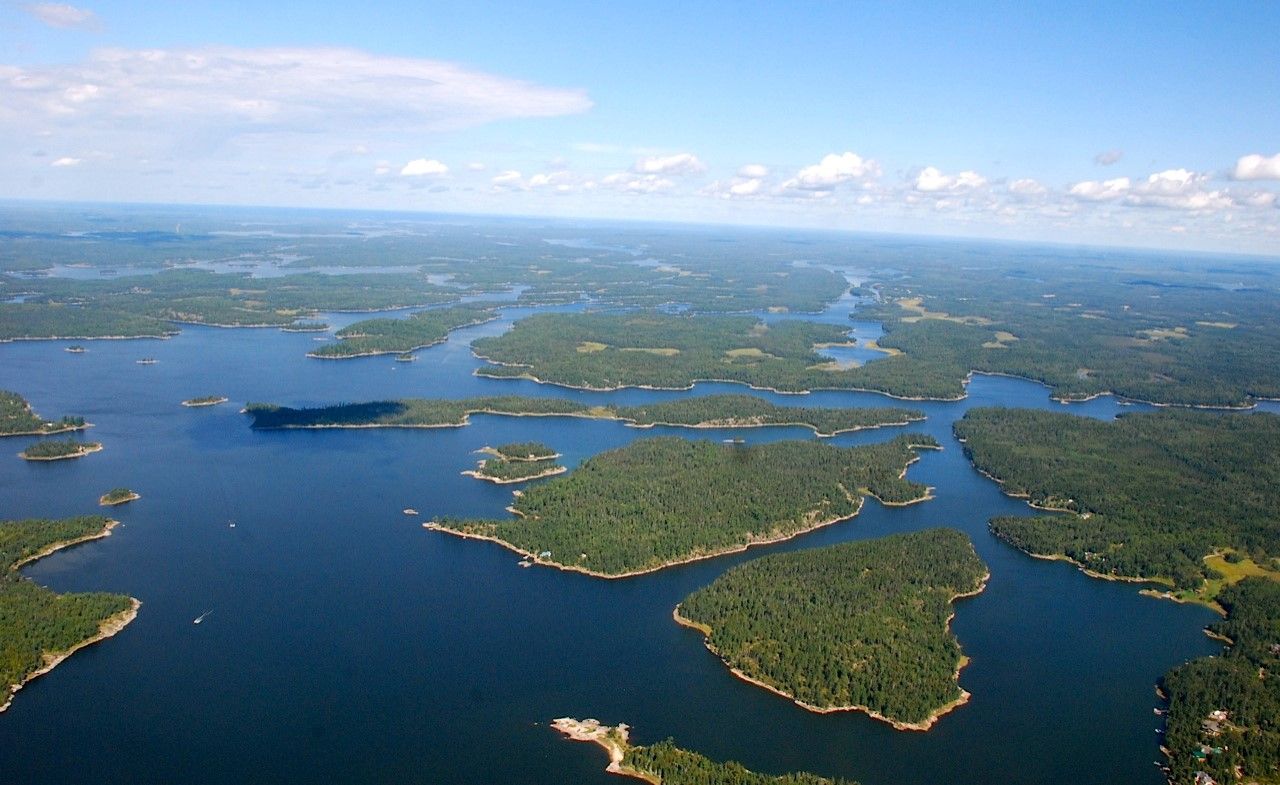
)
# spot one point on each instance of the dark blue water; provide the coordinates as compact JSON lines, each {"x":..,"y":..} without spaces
{"x":346,"y":643}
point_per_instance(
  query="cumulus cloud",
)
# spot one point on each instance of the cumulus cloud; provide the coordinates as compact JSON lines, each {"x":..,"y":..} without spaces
{"x":1108,"y":157}
{"x":224,"y":92}
{"x":1257,"y":167}
{"x":424,"y":167}
{"x":1027,"y":187}
{"x":63,"y":15}
{"x":511,"y":178}
{"x":932,"y":180}
{"x":753,"y":171}
{"x":638,"y":184}
{"x":66,"y":161}
{"x":833,"y":170}
{"x":737,"y":188}
{"x":1104,"y":191}
{"x":678,"y":164}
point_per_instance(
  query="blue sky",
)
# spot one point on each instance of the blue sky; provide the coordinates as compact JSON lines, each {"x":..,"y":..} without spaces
{"x":1130,"y":123}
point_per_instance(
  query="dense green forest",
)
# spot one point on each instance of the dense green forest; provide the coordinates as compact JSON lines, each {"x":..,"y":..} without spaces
{"x":396,"y":336}
{"x":671,"y":765}
{"x":18,"y":419}
{"x":1169,"y":331}
{"x":1148,"y":495}
{"x":517,"y":462}
{"x":53,"y":449}
{"x":664,"y":763}
{"x":117,"y":496}
{"x":721,"y":411}
{"x":523,"y":451}
{"x":653,"y":349}
{"x":657,"y":502}
{"x":35,"y":621}
{"x":1244,"y":682}
{"x":857,"y":624}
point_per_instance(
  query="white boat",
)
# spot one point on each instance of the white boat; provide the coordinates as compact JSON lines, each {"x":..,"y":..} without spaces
{"x":409,"y":511}
{"x":200,"y":618}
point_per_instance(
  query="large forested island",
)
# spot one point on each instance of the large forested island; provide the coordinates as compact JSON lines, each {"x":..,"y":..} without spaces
{"x":664,"y":501}
{"x":1160,"y":496}
{"x":856,"y":626}
{"x":397,"y":336}
{"x":602,"y":351}
{"x":18,"y":419}
{"x":666,"y":764}
{"x":1224,"y":712}
{"x":711,"y":411}
{"x":38,"y":628}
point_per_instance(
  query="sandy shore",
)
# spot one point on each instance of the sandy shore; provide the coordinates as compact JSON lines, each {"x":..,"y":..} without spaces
{"x":922,"y":725}
{"x":612,"y":738}
{"x":550,"y":472}
{"x":196,"y":403}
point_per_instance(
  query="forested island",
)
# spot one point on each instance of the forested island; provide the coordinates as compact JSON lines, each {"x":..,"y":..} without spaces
{"x":18,"y":419}
{"x":397,"y":336}
{"x":58,"y":449}
{"x":517,"y":462}
{"x":666,"y":764}
{"x":1224,"y":712}
{"x":1157,"y":496}
{"x":39,"y":628}
{"x":118,"y":496}
{"x":664,"y":501}
{"x":857,"y":626}
{"x":208,"y":400}
{"x":599,"y":351}
{"x":710,"y":411}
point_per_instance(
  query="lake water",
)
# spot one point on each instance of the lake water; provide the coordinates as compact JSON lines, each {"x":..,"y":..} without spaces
{"x":347,"y":643}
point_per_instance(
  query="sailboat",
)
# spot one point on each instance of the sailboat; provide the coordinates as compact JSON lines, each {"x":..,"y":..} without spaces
{"x":200,"y":618}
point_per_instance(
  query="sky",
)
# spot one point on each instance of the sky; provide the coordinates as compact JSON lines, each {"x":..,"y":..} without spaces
{"x":1148,"y":124}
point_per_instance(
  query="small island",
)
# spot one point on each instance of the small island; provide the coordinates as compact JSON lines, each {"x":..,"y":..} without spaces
{"x":517,"y":462}
{"x":860,"y":626}
{"x":18,"y":419}
{"x":666,"y":764}
{"x":708,"y":411}
{"x":665,"y":501}
{"x":118,"y":496}
{"x":305,"y":327}
{"x":39,"y":628}
{"x":208,"y":400}
{"x":401,"y":336}
{"x":59,"y":449}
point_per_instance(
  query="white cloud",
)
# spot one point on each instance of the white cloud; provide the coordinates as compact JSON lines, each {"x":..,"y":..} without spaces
{"x":1105,"y":191}
{"x":222,"y":92}
{"x":63,"y":15}
{"x":476,"y":166}
{"x":642,"y":184}
{"x":508,"y":179}
{"x":1108,"y":157}
{"x":739,"y":187}
{"x":1257,"y":167}
{"x":1027,"y":187}
{"x":678,"y":164}
{"x":753,"y":171}
{"x":424,"y":167}
{"x":66,"y":161}
{"x":931,"y":180}
{"x":833,"y":170}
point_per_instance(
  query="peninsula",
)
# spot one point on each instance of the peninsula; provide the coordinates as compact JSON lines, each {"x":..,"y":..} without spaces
{"x":399,"y":336}
{"x":709,"y":411}
{"x":18,"y":419}
{"x":666,"y":764}
{"x":1178,"y":497}
{"x":860,"y":626}
{"x":659,"y":502}
{"x":39,"y":628}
